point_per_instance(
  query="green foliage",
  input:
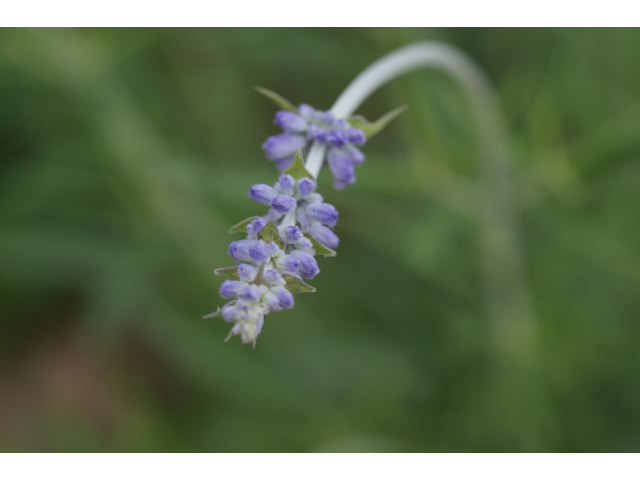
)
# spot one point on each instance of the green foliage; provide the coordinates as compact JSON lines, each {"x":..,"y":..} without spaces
{"x":373,"y":128}
{"x":270,"y":234}
{"x":231,"y":272}
{"x":277,"y":99}
{"x":297,"y":170}
{"x":296,"y":285}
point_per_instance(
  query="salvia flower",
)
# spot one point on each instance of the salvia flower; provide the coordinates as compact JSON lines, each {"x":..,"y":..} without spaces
{"x":310,"y":125}
{"x":278,"y":253}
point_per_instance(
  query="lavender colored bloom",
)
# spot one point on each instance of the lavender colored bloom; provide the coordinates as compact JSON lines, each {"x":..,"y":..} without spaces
{"x":283,"y":145}
{"x":340,"y":124}
{"x":273,"y":277}
{"x":323,"y":213}
{"x":272,"y":300}
{"x":303,"y":244}
{"x":306,"y":111}
{"x":324,"y":235}
{"x":285,"y":297}
{"x":230,"y":313}
{"x":290,"y":122}
{"x":283,"y":203}
{"x":239,"y":250}
{"x":356,"y":136}
{"x":262,"y":193}
{"x":314,"y":132}
{"x":273,"y":249}
{"x":250,"y":293}
{"x":288,"y":263}
{"x":356,"y":156}
{"x":341,"y":167}
{"x":259,"y":252}
{"x":291,"y":234}
{"x":230,"y":288}
{"x":308,"y":265}
{"x":256,"y":226}
{"x":287,"y":185}
{"x":305,"y":187}
{"x":246,"y":273}
{"x":337,"y":138}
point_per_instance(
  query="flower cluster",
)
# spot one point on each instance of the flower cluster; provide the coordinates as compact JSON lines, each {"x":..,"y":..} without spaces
{"x":278,"y":252}
{"x":308,"y":125}
{"x":280,"y":247}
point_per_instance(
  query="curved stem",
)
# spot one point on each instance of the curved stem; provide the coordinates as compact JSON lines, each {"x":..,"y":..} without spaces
{"x":507,"y":296}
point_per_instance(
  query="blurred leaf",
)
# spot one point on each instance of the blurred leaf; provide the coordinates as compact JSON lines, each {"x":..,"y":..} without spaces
{"x":277,"y":99}
{"x":373,"y":128}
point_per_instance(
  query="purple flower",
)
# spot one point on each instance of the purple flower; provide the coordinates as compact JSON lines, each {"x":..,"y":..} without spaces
{"x":256,"y":226}
{"x":287,"y":185}
{"x":230,"y":288}
{"x":356,"y":136}
{"x":288,"y":263}
{"x":272,"y":276}
{"x":285,"y":297}
{"x":283,"y":146}
{"x":324,"y":235}
{"x":305,"y":187}
{"x":314,"y":132}
{"x":283,"y":203}
{"x":250,"y":293}
{"x":341,"y":167}
{"x":290,"y":122}
{"x":239,"y":250}
{"x":291,"y":234}
{"x":356,"y":156}
{"x":246,"y":273}
{"x":308,"y":265}
{"x":323,"y":213}
{"x":262,"y":193}
{"x":306,"y":111}
{"x":337,"y":138}
{"x":259,"y":252}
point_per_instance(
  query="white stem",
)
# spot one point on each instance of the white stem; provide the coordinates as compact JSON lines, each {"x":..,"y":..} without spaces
{"x":416,"y":56}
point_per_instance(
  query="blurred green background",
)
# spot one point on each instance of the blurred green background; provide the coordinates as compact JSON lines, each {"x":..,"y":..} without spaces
{"x":125,"y":155}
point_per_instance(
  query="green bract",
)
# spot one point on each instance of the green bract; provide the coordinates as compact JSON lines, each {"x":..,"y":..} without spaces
{"x":277,"y":99}
{"x":372,"y":128}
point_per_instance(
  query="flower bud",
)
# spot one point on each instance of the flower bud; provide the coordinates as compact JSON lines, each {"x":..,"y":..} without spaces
{"x":256,"y":226}
{"x":306,"y":111}
{"x":283,"y":145}
{"x":290,"y":122}
{"x":325,"y":236}
{"x":308,"y":265}
{"x":341,"y":168}
{"x":356,"y":136}
{"x":262,"y":193}
{"x":246,"y":273}
{"x":323,"y":213}
{"x":337,"y":138}
{"x":305,"y":187}
{"x":287,"y":185}
{"x":285,"y":297}
{"x":230,"y":288}
{"x":250,"y":293}
{"x":283,"y":203}
{"x":291,"y":234}
{"x":259,"y":252}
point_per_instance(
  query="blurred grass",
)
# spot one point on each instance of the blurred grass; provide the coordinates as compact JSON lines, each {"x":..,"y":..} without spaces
{"x":127,"y":154}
